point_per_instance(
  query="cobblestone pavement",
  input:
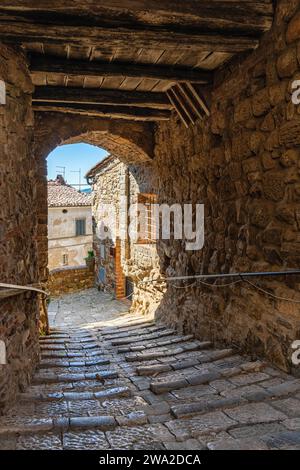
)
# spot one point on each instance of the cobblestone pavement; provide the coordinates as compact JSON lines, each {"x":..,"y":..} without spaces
{"x":110,"y":380}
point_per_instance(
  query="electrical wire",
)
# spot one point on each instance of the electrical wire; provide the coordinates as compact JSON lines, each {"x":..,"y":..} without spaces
{"x":277,"y":297}
{"x":185,"y":287}
{"x":229,"y":284}
{"x":242,"y":279}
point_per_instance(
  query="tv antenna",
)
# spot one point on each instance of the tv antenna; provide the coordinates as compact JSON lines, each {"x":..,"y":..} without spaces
{"x":62,"y":169}
{"x":79,"y":177}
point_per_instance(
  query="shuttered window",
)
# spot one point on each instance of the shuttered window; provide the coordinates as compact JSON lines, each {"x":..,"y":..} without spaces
{"x":148,"y":200}
{"x":65,"y":260}
{"x":80,"y":227}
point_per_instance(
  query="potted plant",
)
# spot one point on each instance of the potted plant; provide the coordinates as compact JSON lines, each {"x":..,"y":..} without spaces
{"x":90,"y":260}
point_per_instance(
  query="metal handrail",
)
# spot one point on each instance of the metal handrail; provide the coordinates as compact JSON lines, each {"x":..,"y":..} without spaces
{"x":16,"y":287}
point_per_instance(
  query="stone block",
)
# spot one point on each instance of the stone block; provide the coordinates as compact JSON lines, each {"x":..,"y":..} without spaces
{"x":203,"y":378}
{"x":237,"y":444}
{"x":287,"y":63}
{"x":293,"y":29}
{"x":261,"y":103}
{"x":163,"y":387}
{"x":273,"y":186}
{"x":102,"y":423}
{"x":255,"y":413}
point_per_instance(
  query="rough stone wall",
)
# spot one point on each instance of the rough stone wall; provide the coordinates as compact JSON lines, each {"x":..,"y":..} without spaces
{"x":69,"y":279}
{"x":243,"y":164}
{"x":107,"y":189}
{"x":123,"y":257}
{"x":143,"y":264}
{"x":18,"y":223}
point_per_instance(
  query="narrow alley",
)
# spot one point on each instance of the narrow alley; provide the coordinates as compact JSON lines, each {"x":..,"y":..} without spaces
{"x":110,"y":380}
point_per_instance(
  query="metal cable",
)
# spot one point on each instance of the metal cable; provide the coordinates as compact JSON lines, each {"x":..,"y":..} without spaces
{"x":242,"y":279}
{"x":24,"y":288}
{"x":277,"y":297}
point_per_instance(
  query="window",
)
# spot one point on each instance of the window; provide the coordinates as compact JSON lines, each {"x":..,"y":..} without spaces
{"x":65,"y":260}
{"x":80,"y":227}
{"x":103,"y":252}
{"x":112,"y":251}
{"x":148,"y":200}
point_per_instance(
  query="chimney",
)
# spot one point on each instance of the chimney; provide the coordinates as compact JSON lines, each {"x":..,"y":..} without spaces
{"x":60,"y":180}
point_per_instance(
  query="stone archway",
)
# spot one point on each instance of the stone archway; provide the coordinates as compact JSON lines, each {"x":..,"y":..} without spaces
{"x":131,"y":142}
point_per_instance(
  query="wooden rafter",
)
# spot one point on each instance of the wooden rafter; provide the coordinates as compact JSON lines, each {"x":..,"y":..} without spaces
{"x":51,"y":94}
{"x":19,"y":28}
{"x":244,"y":16}
{"x":189,"y":103}
{"x":116,"y":112}
{"x":55,"y":65}
{"x":199,"y":98}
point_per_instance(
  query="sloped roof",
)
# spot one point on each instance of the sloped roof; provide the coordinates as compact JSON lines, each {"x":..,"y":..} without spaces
{"x":61,"y":194}
{"x":101,"y":165}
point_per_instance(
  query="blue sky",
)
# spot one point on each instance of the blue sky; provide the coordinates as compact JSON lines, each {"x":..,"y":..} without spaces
{"x":74,"y":157}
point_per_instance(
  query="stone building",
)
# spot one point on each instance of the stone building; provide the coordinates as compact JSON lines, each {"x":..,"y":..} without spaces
{"x":69,"y":225}
{"x":120,"y":261}
{"x":201,"y":102}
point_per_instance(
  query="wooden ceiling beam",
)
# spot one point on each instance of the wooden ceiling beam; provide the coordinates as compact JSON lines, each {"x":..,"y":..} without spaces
{"x":17,"y":29}
{"x":55,"y":65}
{"x":54,"y":94}
{"x":244,"y":15}
{"x":103,"y":111}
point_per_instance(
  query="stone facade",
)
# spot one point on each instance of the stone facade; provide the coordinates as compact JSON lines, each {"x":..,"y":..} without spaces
{"x":243,"y":164}
{"x":18,"y":226}
{"x":69,"y":279}
{"x":108,"y":186}
{"x":118,"y":257}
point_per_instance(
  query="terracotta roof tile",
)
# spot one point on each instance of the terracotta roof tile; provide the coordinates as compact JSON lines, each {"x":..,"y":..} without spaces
{"x":63,"y":195}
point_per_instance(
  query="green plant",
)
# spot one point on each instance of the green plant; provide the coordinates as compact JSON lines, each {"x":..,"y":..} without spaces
{"x":90,"y":255}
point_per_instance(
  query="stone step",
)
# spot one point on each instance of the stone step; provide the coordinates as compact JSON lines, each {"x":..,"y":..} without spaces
{"x":156,"y":369}
{"x":55,"y":336}
{"x":22,"y":425}
{"x":85,"y":355}
{"x":106,"y":394}
{"x":56,"y":378}
{"x":135,"y":333}
{"x":200,"y":378}
{"x":66,"y":346}
{"x":76,"y":386}
{"x":69,"y":341}
{"x":45,"y":364}
{"x":156,"y":355}
{"x":175,"y":340}
{"x":137,"y":325}
{"x":139,"y":339}
{"x":237,"y":444}
{"x":65,"y":336}
{"x":202,"y":406}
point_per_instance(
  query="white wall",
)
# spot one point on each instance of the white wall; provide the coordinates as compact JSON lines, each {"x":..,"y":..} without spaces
{"x":62,"y":235}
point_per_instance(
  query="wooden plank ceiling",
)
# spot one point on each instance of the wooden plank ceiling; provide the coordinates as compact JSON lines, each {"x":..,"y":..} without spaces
{"x":130,"y":58}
